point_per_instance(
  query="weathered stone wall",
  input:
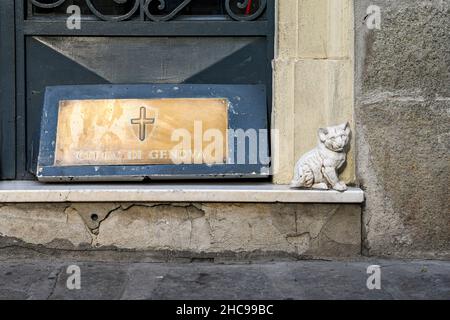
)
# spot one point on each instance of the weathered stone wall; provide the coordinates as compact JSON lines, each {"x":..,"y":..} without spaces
{"x":402,"y":115}
{"x":298,"y":230}
{"x":403,"y":127}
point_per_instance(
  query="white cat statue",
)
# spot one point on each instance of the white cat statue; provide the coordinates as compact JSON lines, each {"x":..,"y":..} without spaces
{"x":318,"y":169}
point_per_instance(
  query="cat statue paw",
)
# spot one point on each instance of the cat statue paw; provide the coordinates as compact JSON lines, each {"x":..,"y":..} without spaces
{"x":318,"y":169}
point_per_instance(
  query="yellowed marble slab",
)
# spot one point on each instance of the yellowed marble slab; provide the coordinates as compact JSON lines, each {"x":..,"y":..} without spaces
{"x":141,"y":132}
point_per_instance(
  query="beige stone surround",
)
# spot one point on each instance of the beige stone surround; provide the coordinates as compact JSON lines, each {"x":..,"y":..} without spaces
{"x":313,"y":78}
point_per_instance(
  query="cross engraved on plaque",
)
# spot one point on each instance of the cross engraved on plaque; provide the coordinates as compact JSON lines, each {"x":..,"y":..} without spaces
{"x":142,"y":121}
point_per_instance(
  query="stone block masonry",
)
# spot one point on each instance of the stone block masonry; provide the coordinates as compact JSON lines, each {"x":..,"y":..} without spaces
{"x":313,"y":79}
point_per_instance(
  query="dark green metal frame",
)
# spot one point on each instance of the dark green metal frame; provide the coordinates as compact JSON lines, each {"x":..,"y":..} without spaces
{"x":15,"y":28}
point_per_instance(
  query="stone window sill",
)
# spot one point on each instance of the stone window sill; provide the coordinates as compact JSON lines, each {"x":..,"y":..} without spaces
{"x":31,"y":191}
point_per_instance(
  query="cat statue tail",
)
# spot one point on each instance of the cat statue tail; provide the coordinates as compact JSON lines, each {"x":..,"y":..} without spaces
{"x":303,"y":177}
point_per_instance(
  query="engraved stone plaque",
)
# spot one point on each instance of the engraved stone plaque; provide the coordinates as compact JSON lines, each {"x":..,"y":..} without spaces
{"x":151,"y":132}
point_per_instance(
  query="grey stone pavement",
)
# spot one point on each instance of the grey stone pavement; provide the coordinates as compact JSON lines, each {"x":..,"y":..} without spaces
{"x":400,"y":279}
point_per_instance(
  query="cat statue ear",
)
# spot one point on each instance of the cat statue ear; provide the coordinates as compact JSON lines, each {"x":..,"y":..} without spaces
{"x":323,"y":134}
{"x":346,"y":127}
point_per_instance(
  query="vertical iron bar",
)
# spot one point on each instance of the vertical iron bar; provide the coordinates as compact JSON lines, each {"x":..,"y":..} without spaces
{"x":7,"y":91}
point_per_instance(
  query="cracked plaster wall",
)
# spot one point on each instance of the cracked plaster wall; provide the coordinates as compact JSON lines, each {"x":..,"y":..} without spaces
{"x":296,"y":229}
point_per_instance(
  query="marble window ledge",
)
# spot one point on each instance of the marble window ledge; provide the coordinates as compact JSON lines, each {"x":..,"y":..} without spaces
{"x":32,"y":191}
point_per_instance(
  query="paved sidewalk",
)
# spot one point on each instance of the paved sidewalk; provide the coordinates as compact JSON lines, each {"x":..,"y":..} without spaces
{"x":44,"y":279}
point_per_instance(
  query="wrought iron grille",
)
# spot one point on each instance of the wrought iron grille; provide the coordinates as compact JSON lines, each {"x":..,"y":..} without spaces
{"x":152,"y":10}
